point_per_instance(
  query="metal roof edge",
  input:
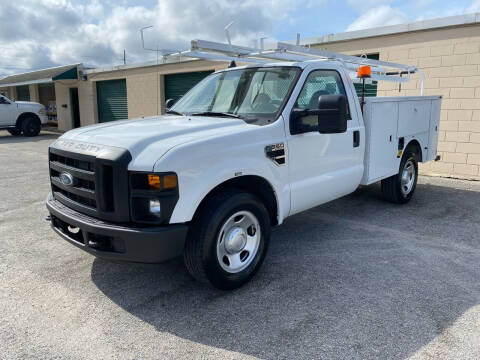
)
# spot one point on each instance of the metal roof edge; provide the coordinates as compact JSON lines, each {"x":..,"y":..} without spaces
{"x":450,"y":21}
{"x":170,"y":60}
{"x":29,"y":82}
{"x":50,"y":68}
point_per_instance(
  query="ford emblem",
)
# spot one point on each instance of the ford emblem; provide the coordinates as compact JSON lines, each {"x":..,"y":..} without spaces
{"x":66,"y":178}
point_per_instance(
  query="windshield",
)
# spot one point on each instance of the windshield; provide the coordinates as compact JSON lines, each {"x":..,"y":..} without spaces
{"x":253,"y":94}
{"x":4,"y":99}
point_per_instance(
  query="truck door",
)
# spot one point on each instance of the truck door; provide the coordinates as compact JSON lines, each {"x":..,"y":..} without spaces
{"x":5,"y":112}
{"x":323,"y":167}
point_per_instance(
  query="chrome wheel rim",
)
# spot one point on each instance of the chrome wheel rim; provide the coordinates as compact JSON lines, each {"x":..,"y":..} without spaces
{"x":238,"y":241}
{"x":408,"y":177}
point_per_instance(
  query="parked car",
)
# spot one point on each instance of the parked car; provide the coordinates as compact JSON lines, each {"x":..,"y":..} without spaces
{"x":21,"y":117}
{"x":240,"y":152}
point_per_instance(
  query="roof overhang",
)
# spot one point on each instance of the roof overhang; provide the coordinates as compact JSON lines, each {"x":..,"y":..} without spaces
{"x":44,"y":76}
{"x":38,"y":81}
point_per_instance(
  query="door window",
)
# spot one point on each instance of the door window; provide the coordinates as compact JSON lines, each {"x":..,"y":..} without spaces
{"x":319,"y":82}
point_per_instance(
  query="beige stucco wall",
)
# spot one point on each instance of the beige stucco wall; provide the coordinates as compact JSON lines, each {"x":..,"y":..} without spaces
{"x":450,"y":59}
{"x":87,"y":100}
{"x":62,"y":98}
{"x":33,"y":89}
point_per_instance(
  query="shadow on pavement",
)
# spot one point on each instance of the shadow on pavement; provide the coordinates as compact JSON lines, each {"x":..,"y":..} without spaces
{"x":355,"y":278}
{"x":6,"y":138}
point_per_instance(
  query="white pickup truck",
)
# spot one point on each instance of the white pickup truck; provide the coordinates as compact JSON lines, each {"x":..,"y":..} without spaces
{"x":21,"y":117}
{"x":240,"y":152}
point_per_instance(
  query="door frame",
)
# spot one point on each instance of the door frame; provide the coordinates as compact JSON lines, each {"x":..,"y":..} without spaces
{"x":72,"y":92}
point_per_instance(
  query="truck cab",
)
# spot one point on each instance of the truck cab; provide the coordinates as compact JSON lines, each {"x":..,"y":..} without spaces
{"x":244,"y":149}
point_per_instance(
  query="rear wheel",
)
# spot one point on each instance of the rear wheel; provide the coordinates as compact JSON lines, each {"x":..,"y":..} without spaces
{"x":228,"y":239}
{"x":30,"y":126}
{"x":399,"y":188}
{"x":14,"y":131}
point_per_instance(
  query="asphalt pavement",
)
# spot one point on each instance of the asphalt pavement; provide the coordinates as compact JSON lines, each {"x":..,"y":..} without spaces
{"x":357,"y":278}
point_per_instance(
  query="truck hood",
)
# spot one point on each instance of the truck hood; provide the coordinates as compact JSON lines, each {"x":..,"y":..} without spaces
{"x":148,"y":139}
{"x":28,"y":104}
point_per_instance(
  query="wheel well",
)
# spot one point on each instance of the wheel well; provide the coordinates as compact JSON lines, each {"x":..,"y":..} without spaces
{"x":414,"y":145}
{"x":255,"y":185}
{"x":24,"y":116}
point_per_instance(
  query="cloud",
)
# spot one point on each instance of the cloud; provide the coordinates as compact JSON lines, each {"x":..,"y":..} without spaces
{"x":367,"y":4}
{"x":383,"y":15}
{"x":41,"y":33}
{"x":474,"y":7}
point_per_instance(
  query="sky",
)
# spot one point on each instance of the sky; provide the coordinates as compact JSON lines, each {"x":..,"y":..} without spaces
{"x":36,"y":34}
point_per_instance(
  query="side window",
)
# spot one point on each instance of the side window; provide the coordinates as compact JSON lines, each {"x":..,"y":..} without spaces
{"x":3,"y":100}
{"x":320,"y":82}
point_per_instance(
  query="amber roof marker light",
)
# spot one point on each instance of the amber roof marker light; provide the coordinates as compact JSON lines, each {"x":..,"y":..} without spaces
{"x":363,"y":72}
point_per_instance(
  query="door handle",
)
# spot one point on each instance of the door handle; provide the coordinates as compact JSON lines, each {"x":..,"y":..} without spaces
{"x":356,"y":138}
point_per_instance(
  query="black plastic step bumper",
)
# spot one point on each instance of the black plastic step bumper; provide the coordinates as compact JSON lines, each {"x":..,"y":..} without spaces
{"x":114,"y":242}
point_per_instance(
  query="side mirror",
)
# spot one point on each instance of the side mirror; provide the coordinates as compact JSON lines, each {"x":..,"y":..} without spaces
{"x":169,"y":103}
{"x":333,"y":118}
{"x":329,"y":118}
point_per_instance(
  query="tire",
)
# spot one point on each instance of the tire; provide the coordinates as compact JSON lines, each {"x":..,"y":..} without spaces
{"x":14,"y":131}
{"x":30,"y":127}
{"x":228,"y":239}
{"x":400,"y":188}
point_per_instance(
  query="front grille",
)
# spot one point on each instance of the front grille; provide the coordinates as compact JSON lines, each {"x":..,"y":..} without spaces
{"x":100,"y":182}
{"x":82,"y":191}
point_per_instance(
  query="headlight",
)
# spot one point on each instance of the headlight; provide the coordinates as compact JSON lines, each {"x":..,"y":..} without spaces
{"x":155,"y":207}
{"x":42,"y":111}
{"x":153,"y":196}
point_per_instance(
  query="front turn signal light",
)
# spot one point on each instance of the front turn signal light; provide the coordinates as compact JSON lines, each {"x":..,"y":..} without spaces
{"x":170,"y":181}
{"x":154,"y":181}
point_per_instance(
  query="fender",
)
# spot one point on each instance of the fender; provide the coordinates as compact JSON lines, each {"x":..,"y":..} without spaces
{"x":192,"y":191}
{"x":203,"y":165}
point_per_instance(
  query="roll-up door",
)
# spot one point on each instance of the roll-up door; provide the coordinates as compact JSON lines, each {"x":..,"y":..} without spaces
{"x":23,"y":93}
{"x":176,"y":85}
{"x":112,"y":100}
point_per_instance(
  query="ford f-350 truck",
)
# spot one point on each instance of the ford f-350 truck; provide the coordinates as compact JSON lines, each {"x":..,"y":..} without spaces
{"x":240,"y":152}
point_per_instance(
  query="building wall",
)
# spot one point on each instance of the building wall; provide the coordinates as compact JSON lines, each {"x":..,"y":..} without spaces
{"x":87,"y":101}
{"x":62,"y":98}
{"x":450,"y":59}
{"x":33,"y":89}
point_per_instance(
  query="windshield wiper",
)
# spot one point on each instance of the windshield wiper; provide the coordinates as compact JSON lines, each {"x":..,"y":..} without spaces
{"x":174,"y":112}
{"x":216,"y":113}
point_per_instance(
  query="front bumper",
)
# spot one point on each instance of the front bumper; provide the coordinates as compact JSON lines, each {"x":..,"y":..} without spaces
{"x":43,"y":119}
{"x":115,"y":242}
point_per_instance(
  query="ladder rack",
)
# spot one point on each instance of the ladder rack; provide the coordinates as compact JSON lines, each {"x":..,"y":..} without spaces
{"x":381,"y":70}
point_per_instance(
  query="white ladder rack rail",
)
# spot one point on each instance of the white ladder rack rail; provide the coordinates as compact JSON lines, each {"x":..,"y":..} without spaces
{"x":381,"y":70}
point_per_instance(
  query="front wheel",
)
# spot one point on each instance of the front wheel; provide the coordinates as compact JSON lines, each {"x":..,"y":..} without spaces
{"x":31,"y":127}
{"x":228,"y":239}
{"x":399,"y":188}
